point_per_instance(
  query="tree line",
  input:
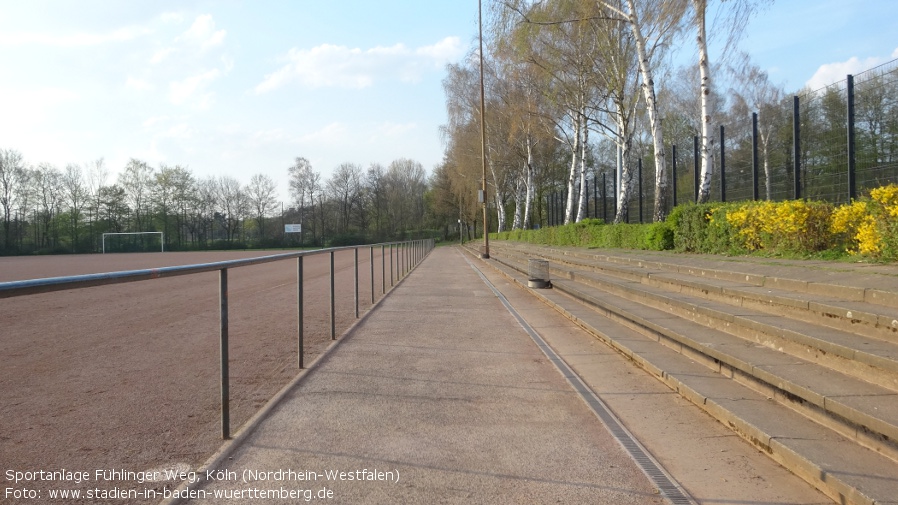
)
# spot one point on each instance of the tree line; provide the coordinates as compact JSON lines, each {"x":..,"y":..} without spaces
{"x":578,"y":89}
{"x":50,"y":210}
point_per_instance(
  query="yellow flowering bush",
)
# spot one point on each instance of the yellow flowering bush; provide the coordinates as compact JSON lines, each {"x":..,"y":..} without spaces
{"x":795,"y":225}
{"x":869,"y":240}
{"x":887,"y":196}
{"x":847,"y":221}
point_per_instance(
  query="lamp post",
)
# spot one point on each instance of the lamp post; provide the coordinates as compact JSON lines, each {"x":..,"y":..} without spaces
{"x":486,"y":235}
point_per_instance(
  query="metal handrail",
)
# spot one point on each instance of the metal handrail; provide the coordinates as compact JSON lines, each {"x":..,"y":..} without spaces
{"x":408,"y":254}
{"x":50,"y":284}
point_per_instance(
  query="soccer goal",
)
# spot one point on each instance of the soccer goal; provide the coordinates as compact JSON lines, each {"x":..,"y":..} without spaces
{"x":130,"y":242}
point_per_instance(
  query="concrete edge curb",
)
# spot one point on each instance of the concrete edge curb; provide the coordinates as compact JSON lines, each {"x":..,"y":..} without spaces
{"x":230,"y":446}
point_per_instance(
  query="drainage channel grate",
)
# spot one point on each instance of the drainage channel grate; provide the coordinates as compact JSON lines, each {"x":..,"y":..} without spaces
{"x":665,"y":483}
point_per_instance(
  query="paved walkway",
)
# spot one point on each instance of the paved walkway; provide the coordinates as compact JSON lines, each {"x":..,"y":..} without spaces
{"x":443,"y":397}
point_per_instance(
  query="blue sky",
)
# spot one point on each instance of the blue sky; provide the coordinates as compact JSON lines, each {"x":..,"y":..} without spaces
{"x":242,"y":87}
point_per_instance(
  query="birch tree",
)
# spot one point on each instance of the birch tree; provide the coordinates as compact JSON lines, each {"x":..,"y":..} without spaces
{"x":730,"y":22}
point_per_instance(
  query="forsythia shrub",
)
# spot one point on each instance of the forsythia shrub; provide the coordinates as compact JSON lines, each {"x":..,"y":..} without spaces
{"x":796,"y":226}
{"x":869,"y":226}
{"x":879,"y":234}
{"x":846,"y":225}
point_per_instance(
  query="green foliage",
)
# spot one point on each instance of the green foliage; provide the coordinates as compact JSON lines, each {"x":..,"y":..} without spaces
{"x":794,"y":228}
{"x":595,"y":234}
{"x":346,"y":239}
{"x":659,"y":237}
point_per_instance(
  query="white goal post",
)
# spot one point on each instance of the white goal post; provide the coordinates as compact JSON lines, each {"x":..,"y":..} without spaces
{"x":161,"y":237}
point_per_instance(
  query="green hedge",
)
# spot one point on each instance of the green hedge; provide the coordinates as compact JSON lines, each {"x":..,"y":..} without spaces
{"x":866,"y":227}
{"x":594,"y":233}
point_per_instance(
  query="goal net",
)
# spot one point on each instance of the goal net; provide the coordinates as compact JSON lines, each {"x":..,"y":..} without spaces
{"x":141,"y":241}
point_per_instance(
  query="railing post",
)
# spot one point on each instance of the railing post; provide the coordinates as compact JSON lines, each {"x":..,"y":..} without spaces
{"x":383,"y":269}
{"x":371,"y":263}
{"x":356,"y":254}
{"x":223,"y":353}
{"x":299,"y":312}
{"x":333,"y":309}
{"x":391,"y":265}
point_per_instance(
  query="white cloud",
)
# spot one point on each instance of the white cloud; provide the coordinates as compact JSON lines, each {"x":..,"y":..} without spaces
{"x":32,"y":104}
{"x":155,"y":120}
{"x":829,"y":73}
{"x":391,"y":130}
{"x":334,"y":133}
{"x":353,"y":68}
{"x":162,"y":54}
{"x":138,"y":84}
{"x":73,"y":39}
{"x":273,"y":136}
{"x":178,"y":131}
{"x":193,"y":89}
{"x":203,"y":33}
{"x":200,"y":37}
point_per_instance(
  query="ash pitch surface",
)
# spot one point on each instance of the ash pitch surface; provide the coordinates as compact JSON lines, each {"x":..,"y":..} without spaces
{"x":126,"y":376}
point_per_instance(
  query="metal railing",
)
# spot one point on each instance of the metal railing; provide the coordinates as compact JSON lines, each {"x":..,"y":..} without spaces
{"x":404,"y":255}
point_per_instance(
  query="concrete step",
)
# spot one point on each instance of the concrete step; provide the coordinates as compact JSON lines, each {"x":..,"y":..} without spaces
{"x":875,"y":284}
{"x":787,"y":297}
{"x":756,"y":391}
{"x":869,"y":359}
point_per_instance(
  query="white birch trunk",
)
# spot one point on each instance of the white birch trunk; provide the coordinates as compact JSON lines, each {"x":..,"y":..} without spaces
{"x":621,"y":214}
{"x":704,"y":191}
{"x":501,"y":217}
{"x":518,"y":200}
{"x":572,"y":177}
{"x":581,"y":206}
{"x":765,"y":138}
{"x":528,"y":182}
{"x":648,"y":89}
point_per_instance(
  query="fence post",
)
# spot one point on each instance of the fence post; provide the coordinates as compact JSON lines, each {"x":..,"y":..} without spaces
{"x":333,"y":307}
{"x":614,"y":196}
{"x":223,"y":353}
{"x":391,"y":265}
{"x":852,"y":154}
{"x":723,"y":165}
{"x":673,"y":174}
{"x":371,"y":263}
{"x":356,"y":251}
{"x":595,"y":196}
{"x":754,"y":155}
{"x":604,"y":199}
{"x":639,"y":179}
{"x":299,"y":312}
{"x":383,"y":266}
{"x":796,"y":147}
{"x":695,"y":165}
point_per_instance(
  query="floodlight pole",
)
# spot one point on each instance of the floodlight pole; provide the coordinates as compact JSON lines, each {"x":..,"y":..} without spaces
{"x":486,"y":234}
